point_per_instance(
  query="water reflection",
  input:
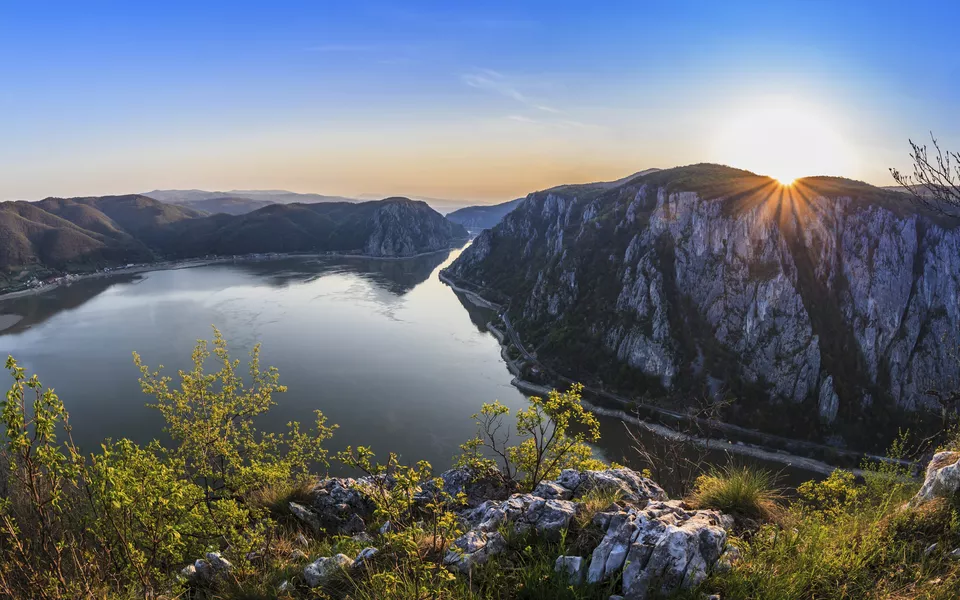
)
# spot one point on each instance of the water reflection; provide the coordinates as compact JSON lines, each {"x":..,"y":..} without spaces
{"x":397,"y":277}
{"x":383,"y":348}
{"x":37,"y":308}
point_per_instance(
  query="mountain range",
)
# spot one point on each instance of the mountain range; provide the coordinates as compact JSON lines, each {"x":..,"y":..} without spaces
{"x":828,"y":309}
{"x":243,"y":201}
{"x":71,"y":234}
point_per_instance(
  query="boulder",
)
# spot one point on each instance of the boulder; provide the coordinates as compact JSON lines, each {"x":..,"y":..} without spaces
{"x":207,"y":569}
{"x":942,"y":479}
{"x":627,"y":483}
{"x":476,"y":487}
{"x":322,"y":570}
{"x":343,"y":505}
{"x":474,"y":548}
{"x":574,"y":566}
{"x":661,"y":549}
{"x":525,"y":511}
{"x":552,"y":490}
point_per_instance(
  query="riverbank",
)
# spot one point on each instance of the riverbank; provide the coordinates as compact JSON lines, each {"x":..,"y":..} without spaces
{"x":192,"y":263}
{"x":663,"y":422}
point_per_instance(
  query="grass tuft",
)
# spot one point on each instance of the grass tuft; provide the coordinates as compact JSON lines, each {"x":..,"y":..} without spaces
{"x":741,"y":491}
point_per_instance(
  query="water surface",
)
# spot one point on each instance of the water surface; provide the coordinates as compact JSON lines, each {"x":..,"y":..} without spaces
{"x":382,"y":347}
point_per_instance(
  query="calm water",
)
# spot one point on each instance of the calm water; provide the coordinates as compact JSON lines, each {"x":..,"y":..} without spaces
{"x":383,"y":348}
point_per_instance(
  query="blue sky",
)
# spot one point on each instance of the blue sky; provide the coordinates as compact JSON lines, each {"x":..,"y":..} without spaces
{"x":481,"y":101}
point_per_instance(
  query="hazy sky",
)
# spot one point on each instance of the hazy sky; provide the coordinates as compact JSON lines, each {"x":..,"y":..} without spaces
{"x":484,"y":101}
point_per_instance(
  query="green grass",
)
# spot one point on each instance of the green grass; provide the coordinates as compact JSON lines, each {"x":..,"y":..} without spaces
{"x":740,"y":491}
{"x":844,"y":539}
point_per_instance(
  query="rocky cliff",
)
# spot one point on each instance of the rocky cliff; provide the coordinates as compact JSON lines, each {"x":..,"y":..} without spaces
{"x":402,"y":227}
{"x":827,"y":308}
{"x":477,"y":218}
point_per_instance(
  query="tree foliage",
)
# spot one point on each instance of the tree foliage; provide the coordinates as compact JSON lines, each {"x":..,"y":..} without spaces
{"x":211,"y":420}
{"x":123,"y":520}
{"x":554,"y":433}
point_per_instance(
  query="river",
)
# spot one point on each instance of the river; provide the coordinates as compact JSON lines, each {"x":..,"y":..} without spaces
{"x":384,"y":348}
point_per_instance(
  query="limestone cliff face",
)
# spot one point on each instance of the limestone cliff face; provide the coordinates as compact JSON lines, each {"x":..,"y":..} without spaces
{"x":831,"y":295}
{"x":402,"y":227}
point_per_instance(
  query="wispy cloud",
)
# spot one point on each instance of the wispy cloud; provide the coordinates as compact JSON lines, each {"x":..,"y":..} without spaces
{"x":345,"y":48}
{"x":548,"y":122}
{"x":493,"y":81}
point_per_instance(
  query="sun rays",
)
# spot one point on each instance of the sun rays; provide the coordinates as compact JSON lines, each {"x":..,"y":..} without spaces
{"x":783,"y":138}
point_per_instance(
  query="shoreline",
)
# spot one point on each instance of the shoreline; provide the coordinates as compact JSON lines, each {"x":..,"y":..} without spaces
{"x":190,"y":263}
{"x":754,"y":450}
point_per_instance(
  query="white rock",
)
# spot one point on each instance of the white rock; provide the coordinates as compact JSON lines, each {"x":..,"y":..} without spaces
{"x":942,"y":479}
{"x":573,"y":566}
{"x":552,"y":489}
{"x":364,"y":555}
{"x":218,"y":562}
{"x":474,"y":548}
{"x":306,"y":516}
{"x":323,"y":569}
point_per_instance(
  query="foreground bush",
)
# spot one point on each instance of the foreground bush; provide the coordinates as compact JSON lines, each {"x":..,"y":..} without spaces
{"x":123,"y":520}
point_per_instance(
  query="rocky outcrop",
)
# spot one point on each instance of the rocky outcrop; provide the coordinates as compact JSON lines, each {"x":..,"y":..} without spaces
{"x":645,"y":541}
{"x":659,"y":546}
{"x":832,"y":299}
{"x":662,"y":547}
{"x":338,"y":505}
{"x":574,"y":566}
{"x":476,"y":488}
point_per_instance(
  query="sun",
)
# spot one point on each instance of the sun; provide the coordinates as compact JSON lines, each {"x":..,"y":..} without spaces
{"x":784,"y":139}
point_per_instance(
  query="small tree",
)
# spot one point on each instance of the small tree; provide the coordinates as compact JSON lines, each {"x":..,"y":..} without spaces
{"x":211,"y":418}
{"x":41,"y":547}
{"x":935,"y":182}
{"x":555,"y":434}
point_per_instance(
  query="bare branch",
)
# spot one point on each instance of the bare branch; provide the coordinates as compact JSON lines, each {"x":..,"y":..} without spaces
{"x":935,"y":182}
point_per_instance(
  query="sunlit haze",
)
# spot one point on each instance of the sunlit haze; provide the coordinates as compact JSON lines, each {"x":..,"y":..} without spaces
{"x":479,"y":103}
